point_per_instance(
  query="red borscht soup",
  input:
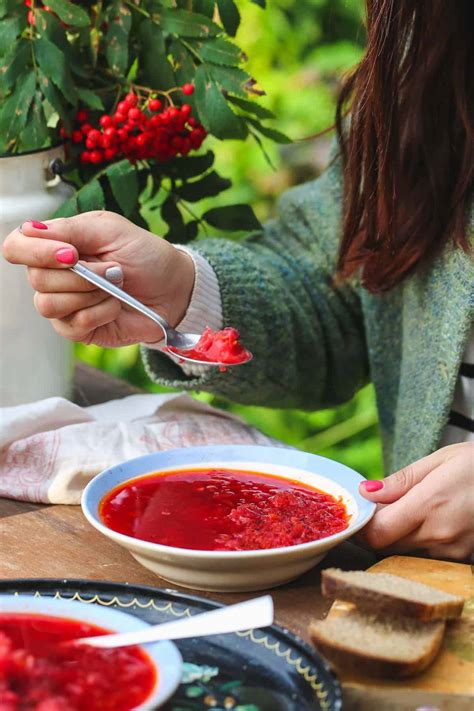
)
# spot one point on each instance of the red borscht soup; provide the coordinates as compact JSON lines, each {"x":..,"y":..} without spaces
{"x":221,"y":510}
{"x":38,"y":672}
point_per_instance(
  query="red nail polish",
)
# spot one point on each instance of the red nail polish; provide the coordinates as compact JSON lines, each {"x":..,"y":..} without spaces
{"x":38,"y":225}
{"x":65,"y":256}
{"x":375,"y":485}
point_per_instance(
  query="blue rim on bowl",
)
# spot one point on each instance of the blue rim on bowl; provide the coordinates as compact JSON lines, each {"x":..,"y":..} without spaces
{"x":164,"y":656}
{"x":322,"y":473}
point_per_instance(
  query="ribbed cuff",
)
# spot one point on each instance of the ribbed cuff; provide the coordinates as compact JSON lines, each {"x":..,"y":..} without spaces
{"x":205,"y":307}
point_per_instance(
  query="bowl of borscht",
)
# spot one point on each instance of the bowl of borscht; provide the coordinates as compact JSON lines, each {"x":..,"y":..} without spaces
{"x":42,"y":669}
{"x":227,"y":517}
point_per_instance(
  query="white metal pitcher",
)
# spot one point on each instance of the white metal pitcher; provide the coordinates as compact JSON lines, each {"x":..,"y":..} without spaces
{"x":35,"y":362}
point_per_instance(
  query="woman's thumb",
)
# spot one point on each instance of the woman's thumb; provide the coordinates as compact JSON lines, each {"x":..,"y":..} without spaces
{"x":396,"y":485}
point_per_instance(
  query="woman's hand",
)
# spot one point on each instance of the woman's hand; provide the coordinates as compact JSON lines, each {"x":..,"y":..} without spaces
{"x":429,"y":505}
{"x":153,"y":271}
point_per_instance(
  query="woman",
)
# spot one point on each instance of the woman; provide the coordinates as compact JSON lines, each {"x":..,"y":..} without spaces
{"x":365,"y":273}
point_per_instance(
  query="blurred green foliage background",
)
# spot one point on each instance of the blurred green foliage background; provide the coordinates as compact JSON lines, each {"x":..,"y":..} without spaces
{"x":298,"y":51}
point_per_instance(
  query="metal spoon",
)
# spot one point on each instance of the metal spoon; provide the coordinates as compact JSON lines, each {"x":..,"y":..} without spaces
{"x":233,"y":618}
{"x":181,"y":341}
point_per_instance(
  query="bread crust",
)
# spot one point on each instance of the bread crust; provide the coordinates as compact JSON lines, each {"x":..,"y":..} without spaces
{"x":385,"y":603}
{"x":361,"y":662}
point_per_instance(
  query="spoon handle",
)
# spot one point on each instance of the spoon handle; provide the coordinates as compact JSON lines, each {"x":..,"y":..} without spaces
{"x":113,"y":290}
{"x":233,"y":618}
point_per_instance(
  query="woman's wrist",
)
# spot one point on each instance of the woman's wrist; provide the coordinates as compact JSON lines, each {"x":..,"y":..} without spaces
{"x":182,"y":277}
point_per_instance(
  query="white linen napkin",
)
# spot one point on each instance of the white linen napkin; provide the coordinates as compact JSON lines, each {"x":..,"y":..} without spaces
{"x":50,"y":449}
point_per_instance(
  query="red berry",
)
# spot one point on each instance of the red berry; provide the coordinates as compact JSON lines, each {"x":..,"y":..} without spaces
{"x":122,"y":107}
{"x":110,"y":153}
{"x":86,"y":128}
{"x":85,"y":157}
{"x":131,"y":99}
{"x":134,"y":114}
{"x":31,"y":18}
{"x":192,"y":122}
{"x":188,"y":89}
{"x":173,"y":113}
{"x":111,"y":132}
{"x":90,"y":144}
{"x":28,"y":3}
{"x":96,"y":157}
{"x":82,"y":115}
{"x":106,"y":121}
{"x":77,"y":137}
{"x":119,"y":118}
{"x":186,"y":110}
{"x":155,"y":121}
{"x":94,"y":135}
{"x":122,"y":134}
{"x":63,"y":133}
{"x":154,"y":105}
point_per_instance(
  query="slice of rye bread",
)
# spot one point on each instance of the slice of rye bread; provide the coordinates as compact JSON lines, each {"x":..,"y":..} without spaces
{"x":374,"y":646}
{"x":382,"y":593}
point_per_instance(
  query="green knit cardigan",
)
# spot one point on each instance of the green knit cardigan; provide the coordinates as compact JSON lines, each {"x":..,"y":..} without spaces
{"x":315,"y":345}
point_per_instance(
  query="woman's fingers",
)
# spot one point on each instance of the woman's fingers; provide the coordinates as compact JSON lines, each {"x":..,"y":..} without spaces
{"x":81,"y":325}
{"x":58,"y":243}
{"x":38,"y":252}
{"x":394,"y":522}
{"x":59,"y":280}
{"x":62,"y":305}
{"x":397,"y":485}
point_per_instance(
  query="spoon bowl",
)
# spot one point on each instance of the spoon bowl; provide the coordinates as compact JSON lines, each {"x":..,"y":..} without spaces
{"x":172,"y":339}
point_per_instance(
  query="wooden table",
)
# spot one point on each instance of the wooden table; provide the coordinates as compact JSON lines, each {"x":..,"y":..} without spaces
{"x":42,"y":541}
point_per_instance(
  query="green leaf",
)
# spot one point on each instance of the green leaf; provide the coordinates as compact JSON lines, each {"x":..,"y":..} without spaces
{"x":53,"y":64}
{"x":187,"y":24}
{"x":155,"y":68}
{"x":272,"y":133}
{"x":173,"y":218}
{"x":120,"y":22}
{"x":205,"y":7}
{"x":219,"y":51}
{"x":14,"y":110}
{"x":91,"y":197}
{"x":232,"y":217}
{"x":191,"y":166}
{"x":69,"y":13}
{"x":251,"y":107}
{"x":232,"y":79}
{"x":68,"y":208}
{"x":215,"y":114}
{"x":210,"y":185}
{"x":230,"y":16}
{"x":91,"y":99}
{"x":123,"y":181}
{"x":54,"y":98}
{"x":183,"y":63}
{"x":7,"y":7}
{"x":35,"y":133}
{"x":9,"y":31}
{"x":15,"y":63}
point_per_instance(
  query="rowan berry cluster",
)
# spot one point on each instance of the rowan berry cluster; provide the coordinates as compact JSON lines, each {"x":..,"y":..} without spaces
{"x":138,"y":130}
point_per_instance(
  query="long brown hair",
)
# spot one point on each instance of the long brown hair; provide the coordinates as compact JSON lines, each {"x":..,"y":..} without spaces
{"x":408,"y":142}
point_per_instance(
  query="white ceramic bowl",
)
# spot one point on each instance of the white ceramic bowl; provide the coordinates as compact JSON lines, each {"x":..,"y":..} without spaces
{"x":164,"y":655}
{"x":232,"y":571}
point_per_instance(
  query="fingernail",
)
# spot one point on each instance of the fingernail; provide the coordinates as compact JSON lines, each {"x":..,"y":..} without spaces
{"x":114,"y":274}
{"x":372,"y":485}
{"x":65,"y":256}
{"x":37,"y":225}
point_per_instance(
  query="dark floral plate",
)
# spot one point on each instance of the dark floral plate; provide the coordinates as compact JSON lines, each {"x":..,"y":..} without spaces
{"x":259,"y":670}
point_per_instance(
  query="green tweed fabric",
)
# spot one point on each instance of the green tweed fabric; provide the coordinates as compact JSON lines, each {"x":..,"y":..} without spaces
{"x":314,"y":345}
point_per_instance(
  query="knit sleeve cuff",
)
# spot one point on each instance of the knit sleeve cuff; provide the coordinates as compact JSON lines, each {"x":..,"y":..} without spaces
{"x":205,"y":307}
